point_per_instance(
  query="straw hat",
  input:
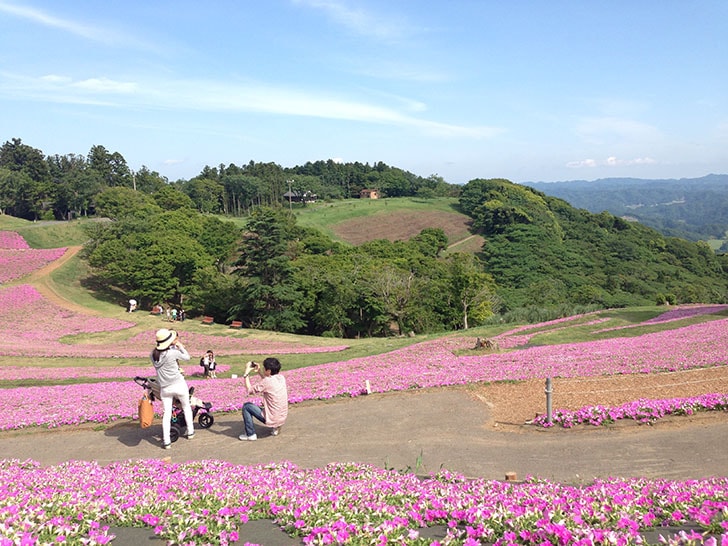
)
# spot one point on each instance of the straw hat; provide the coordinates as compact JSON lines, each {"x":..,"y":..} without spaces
{"x":165,"y":338}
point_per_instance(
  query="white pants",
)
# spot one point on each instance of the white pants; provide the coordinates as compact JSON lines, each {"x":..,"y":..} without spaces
{"x":181,"y":392}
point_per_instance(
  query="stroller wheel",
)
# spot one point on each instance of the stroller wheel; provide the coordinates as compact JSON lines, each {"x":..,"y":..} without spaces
{"x":174,"y":433}
{"x":206,"y":420}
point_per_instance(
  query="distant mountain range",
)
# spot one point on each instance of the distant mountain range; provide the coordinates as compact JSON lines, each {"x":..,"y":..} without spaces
{"x":690,"y":208}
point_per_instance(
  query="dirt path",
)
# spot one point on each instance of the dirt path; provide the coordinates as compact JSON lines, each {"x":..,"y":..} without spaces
{"x":42,"y":281}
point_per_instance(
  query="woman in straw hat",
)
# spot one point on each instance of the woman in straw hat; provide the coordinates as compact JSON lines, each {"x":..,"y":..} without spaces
{"x":172,"y":383}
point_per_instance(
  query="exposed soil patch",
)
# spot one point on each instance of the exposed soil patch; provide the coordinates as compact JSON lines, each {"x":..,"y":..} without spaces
{"x":512,"y":404}
{"x":401,"y":226}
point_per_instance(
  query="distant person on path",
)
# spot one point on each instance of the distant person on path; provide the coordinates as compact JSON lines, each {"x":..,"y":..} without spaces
{"x":174,"y":314}
{"x":172,"y":384}
{"x":274,"y":390}
{"x":209,"y":365}
{"x":132,"y":305}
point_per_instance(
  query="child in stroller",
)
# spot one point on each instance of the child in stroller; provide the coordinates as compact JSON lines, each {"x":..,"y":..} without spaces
{"x":201,"y":410}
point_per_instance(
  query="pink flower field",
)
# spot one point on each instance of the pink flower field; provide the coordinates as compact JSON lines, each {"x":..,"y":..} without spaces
{"x":207,"y":502}
{"x":16,"y":373}
{"x":10,"y":240}
{"x":15,"y":264}
{"x":17,"y":259}
{"x":32,"y":326}
{"x":422,"y":365}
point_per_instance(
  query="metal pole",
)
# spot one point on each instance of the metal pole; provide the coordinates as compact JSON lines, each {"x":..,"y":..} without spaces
{"x":549,"y":390}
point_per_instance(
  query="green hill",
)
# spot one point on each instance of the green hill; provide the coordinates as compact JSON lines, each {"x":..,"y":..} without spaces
{"x":356,"y":221}
{"x":543,"y":251}
{"x":690,"y":208}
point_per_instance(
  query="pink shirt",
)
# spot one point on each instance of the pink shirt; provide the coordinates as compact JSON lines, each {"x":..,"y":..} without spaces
{"x":275,"y":399}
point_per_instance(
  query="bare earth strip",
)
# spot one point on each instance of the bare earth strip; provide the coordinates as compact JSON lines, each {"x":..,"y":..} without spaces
{"x":513,"y":404}
{"x":401,"y":226}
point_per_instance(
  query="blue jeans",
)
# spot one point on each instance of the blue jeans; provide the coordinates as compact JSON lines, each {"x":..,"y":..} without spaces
{"x":250,"y":410}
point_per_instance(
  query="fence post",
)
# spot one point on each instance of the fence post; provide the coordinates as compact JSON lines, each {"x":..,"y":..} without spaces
{"x":549,"y":390}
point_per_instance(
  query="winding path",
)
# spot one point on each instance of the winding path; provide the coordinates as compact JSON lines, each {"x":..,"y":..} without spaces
{"x":42,"y":280}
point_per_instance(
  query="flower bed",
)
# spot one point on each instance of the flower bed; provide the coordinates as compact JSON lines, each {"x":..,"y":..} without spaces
{"x":24,"y":373}
{"x":643,"y":411}
{"x":678,"y":313}
{"x":18,"y":263}
{"x":427,"y":364}
{"x":12,"y":240}
{"x":209,"y":502}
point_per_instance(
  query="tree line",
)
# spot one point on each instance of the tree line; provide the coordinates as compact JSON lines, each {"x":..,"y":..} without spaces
{"x":34,"y":186}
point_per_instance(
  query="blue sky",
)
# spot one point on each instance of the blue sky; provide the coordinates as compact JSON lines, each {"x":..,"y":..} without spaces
{"x":525,"y":90}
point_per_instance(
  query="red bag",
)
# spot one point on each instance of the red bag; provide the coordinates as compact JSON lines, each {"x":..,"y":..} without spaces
{"x":146,"y":412}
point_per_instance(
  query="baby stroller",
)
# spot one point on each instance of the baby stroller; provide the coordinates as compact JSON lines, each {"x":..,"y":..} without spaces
{"x":201,"y":410}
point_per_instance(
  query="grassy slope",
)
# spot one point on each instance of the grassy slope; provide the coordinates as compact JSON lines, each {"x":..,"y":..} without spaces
{"x":370,"y":214}
{"x":46,"y":234}
{"x":67,"y":281}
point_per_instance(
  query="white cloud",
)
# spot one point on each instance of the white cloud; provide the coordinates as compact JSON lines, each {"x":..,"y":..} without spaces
{"x":105,"y":85}
{"x":610,"y":162}
{"x":359,"y":21}
{"x":211,"y":96}
{"x":89,"y":31}
{"x":45,"y":19}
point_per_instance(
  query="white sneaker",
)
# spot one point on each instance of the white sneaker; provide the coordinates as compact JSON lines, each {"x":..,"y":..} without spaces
{"x":249,"y":438}
{"x":275,"y":431}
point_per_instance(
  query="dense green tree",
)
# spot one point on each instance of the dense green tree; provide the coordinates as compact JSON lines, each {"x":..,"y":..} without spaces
{"x":111,"y":167}
{"x":19,"y":194}
{"x":269,"y":298}
{"x":158,"y":257}
{"x":147,"y":181}
{"x":220,"y":239}
{"x":74,"y":185}
{"x":206,"y":194}
{"x":16,"y":156}
{"x":594,"y":259}
{"x":333,"y":290}
{"x":171,"y":198}
{"x":118,"y":202}
{"x":472,"y":289}
{"x":431,"y":241}
{"x":242,"y":193}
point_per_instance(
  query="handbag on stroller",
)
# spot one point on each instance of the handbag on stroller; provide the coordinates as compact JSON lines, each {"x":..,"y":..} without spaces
{"x":200,"y":410}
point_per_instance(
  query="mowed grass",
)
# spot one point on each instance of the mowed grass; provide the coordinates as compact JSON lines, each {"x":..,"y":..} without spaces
{"x":47,"y":234}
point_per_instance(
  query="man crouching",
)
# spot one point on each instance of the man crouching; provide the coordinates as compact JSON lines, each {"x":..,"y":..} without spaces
{"x":272,"y":387}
